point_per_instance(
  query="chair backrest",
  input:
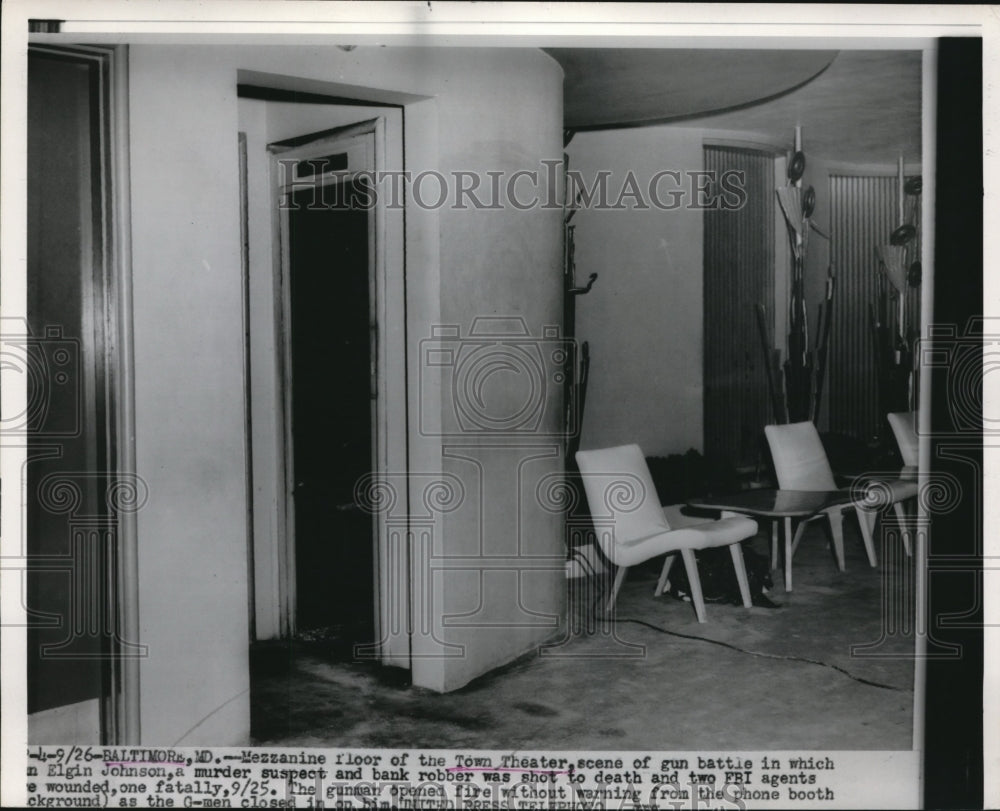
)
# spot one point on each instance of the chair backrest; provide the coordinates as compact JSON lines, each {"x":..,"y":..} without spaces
{"x":620,"y":492}
{"x":904,"y":426}
{"x":799,"y":457}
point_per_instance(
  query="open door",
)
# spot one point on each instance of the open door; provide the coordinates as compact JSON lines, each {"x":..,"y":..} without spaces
{"x":336,"y":363}
{"x":76,"y":497}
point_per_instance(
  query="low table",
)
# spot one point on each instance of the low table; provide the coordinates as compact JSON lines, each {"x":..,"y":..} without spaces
{"x":778,"y":504}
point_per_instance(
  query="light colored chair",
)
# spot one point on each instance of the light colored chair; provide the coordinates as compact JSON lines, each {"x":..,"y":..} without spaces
{"x":904,"y":426}
{"x":632,"y":527}
{"x":800,"y":463}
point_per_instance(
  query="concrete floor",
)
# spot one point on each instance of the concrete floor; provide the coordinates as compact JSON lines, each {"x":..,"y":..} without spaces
{"x":666,"y":693}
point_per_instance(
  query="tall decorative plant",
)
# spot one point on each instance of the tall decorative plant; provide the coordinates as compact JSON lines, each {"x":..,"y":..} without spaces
{"x":804,"y":369}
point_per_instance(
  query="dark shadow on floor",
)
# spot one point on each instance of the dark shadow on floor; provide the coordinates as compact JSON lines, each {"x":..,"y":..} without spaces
{"x":640,"y":682}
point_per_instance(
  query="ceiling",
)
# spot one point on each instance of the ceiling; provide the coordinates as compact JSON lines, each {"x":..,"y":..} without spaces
{"x":853,"y":106}
{"x":610,"y":86}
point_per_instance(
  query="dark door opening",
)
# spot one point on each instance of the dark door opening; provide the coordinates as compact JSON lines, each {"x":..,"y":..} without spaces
{"x":332,"y":394}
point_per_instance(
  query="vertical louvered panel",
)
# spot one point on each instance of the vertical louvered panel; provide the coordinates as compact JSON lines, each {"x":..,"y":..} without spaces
{"x":863,"y":213}
{"x":739,"y":274}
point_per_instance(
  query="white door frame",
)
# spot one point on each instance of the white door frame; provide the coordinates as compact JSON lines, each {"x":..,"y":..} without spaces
{"x":368,"y":147}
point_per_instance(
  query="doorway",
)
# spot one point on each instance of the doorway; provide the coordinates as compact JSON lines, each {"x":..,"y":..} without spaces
{"x":327,"y":397}
{"x":328,"y":242}
{"x":328,"y":252}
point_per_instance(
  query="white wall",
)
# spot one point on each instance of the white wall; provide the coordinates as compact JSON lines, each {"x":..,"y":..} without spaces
{"x":643,"y":318}
{"x":189,"y":399}
{"x":491,"y":110}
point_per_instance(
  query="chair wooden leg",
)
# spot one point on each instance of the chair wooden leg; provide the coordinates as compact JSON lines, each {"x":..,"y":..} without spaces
{"x":619,"y":577}
{"x":797,"y":537}
{"x":788,"y":554}
{"x":904,"y":525}
{"x":736,"y":550}
{"x":691,"y":566}
{"x":774,"y":544}
{"x":791,"y":547}
{"x":867,"y":522}
{"x":662,"y":582}
{"x":836,"y":519}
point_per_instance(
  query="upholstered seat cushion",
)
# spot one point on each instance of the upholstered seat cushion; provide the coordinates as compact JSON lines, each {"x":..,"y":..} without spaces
{"x":799,"y":458}
{"x":880,"y":494}
{"x":703,"y":535}
{"x":903,"y":425}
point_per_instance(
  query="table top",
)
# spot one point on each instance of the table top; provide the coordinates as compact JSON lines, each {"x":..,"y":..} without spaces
{"x":906,"y":473}
{"x":775,"y":503}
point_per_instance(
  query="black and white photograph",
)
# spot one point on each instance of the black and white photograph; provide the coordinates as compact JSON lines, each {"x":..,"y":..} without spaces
{"x":496,"y":405}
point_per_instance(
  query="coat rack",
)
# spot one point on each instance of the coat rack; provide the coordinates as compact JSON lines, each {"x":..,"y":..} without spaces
{"x":576,"y":373}
{"x":899,"y":269}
